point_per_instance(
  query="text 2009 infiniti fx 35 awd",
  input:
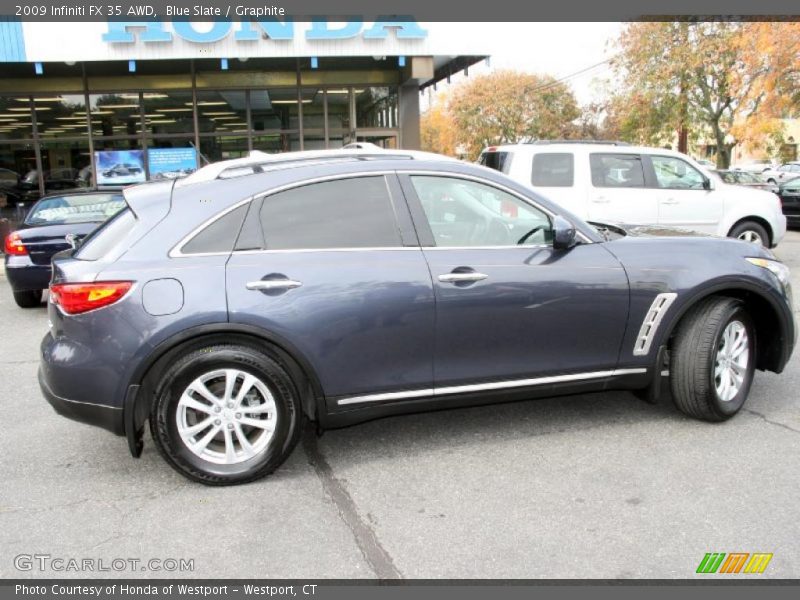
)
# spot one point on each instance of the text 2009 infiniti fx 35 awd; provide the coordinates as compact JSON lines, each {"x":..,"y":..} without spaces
{"x":232,"y":306}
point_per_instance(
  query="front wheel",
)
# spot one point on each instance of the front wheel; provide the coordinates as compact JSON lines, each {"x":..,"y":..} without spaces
{"x":712,"y":361}
{"x":28,"y":298}
{"x":750,"y":231}
{"x":226,"y":414}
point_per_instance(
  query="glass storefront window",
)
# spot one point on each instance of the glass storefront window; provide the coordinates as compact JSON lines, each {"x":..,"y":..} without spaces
{"x":214,"y":148}
{"x":274,"y":109}
{"x":377,"y":107}
{"x":66,"y":164}
{"x":59,"y":116}
{"x":168,"y":112}
{"x":221,"y":111}
{"x":15,"y":118}
{"x":114,"y":114}
{"x":339,"y":109}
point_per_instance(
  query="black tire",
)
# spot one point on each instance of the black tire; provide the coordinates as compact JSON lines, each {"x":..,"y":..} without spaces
{"x":28,"y":298}
{"x":693,"y":359}
{"x":184,"y":370}
{"x":751,"y":227}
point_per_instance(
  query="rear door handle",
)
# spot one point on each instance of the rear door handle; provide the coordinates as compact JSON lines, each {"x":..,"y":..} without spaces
{"x":462,"y":277}
{"x":600,"y":200}
{"x":273,"y":284}
{"x":670,"y":201}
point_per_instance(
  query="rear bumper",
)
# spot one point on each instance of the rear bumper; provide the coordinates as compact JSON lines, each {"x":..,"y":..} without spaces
{"x":52,"y":369}
{"x":23,"y":275}
{"x":99,"y":415}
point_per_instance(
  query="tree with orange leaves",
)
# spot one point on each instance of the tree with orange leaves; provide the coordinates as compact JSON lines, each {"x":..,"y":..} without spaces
{"x":731,"y":81}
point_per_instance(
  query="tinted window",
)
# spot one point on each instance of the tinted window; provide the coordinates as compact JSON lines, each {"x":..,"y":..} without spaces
{"x":495,"y":160}
{"x":346,"y":213}
{"x":85,"y":208}
{"x":465,"y":213}
{"x":617,"y":170}
{"x":674,"y":173}
{"x":105,"y":237}
{"x":219,"y":236}
{"x":553,"y":169}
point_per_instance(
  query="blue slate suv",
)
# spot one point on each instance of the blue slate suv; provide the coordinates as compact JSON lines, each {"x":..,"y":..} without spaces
{"x":230,"y":307}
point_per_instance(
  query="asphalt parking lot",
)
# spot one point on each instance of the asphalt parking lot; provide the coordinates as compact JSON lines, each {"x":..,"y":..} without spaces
{"x":591,"y":486}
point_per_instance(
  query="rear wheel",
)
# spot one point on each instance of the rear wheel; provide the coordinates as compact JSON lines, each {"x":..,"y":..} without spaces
{"x":750,"y":231}
{"x":28,"y":298}
{"x":226,"y":414}
{"x":713,"y":360}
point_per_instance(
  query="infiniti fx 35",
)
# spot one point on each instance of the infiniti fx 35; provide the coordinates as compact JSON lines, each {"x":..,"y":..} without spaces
{"x":228,"y":308}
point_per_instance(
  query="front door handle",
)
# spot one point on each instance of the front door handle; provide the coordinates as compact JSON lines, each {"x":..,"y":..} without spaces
{"x":462,"y":277}
{"x":273,"y":284}
{"x":670,"y":201}
{"x":600,"y":200}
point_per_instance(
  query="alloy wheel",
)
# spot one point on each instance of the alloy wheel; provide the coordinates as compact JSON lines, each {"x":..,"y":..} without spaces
{"x":730,"y":366}
{"x":226,"y":416}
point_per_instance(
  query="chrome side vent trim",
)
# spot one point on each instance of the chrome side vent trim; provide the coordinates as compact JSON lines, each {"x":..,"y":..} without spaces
{"x":652,"y":320}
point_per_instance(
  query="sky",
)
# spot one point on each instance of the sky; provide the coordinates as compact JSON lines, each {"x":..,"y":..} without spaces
{"x":557,"y":49}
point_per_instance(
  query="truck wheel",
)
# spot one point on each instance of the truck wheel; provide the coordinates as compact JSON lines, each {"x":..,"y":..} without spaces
{"x":28,"y":298}
{"x":750,"y":231}
{"x":712,"y":361}
{"x":226,"y":414}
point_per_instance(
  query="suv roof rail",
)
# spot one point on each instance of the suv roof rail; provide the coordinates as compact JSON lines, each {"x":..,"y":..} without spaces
{"x":597,"y":142}
{"x":260,"y":162}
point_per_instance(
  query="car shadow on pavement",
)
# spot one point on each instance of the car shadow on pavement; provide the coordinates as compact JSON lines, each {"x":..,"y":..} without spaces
{"x":493,"y":424}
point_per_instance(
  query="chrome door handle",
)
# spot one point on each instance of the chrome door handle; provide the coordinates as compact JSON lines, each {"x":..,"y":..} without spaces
{"x":273,"y":284}
{"x":461,"y":277}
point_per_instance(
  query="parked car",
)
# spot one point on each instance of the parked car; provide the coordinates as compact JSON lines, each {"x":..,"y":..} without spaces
{"x":122,"y":170}
{"x":55,"y":223}
{"x":640,"y":186}
{"x":758,"y":165}
{"x":789,"y":192}
{"x":230,"y":307}
{"x":783,"y":173}
{"x":746,"y":179}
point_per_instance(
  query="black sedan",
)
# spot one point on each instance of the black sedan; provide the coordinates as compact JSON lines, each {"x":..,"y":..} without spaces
{"x":54,"y":223}
{"x":789,"y":192}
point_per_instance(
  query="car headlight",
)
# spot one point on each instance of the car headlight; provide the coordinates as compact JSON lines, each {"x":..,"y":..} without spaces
{"x":778,"y":269}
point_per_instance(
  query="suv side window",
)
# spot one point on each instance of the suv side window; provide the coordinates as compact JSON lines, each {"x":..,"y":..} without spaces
{"x":676,"y":174}
{"x":345,"y":213}
{"x":464,"y":213}
{"x":617,"y":170}
{"x":553,"y":169}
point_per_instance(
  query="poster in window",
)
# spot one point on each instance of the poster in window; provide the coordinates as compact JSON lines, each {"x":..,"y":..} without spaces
{"x":171,"y":163}
{"x":119,"y":167}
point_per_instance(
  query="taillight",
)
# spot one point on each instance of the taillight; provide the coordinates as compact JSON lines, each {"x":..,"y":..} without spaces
{"x":14,"y":245}
{"x":76,"y":298}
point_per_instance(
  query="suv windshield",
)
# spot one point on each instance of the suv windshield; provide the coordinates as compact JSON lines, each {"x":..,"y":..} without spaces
{"x":83,"y":208}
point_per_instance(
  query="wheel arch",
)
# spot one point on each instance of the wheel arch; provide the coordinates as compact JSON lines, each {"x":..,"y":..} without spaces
{"x":772,"y":349}
{"x":138,"y":400}
{"x":755,"y":219}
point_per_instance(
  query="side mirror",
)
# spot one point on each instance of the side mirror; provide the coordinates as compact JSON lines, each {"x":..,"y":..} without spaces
{"x":708,"y":184}
{"x":563,"y":233}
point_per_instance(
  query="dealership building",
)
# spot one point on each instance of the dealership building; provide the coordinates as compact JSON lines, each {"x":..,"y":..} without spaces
{"x":117,"y":102}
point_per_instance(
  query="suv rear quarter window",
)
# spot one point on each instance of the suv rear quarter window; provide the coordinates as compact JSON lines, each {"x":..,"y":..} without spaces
{"x":499,"y":161}
{"x":553,"y":169}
